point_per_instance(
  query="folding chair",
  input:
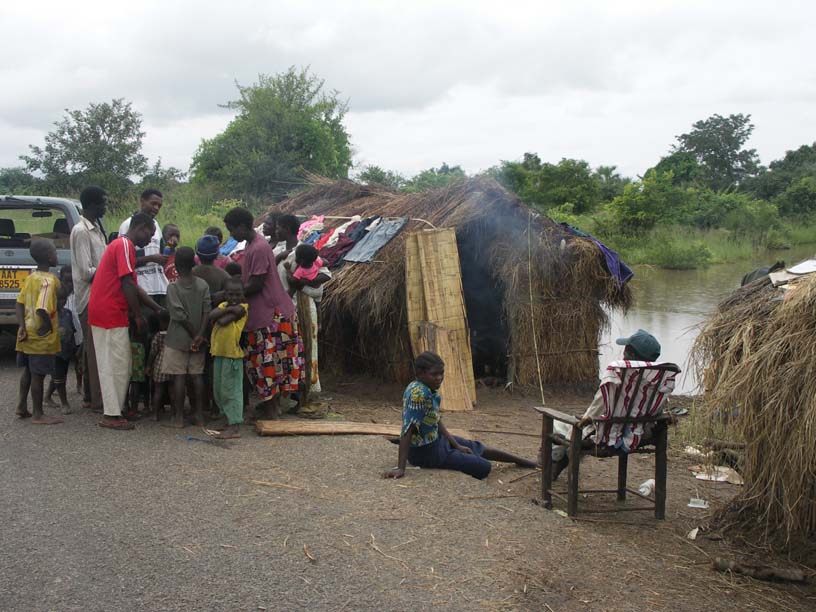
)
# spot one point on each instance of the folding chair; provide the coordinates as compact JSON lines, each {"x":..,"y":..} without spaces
{"x":633,"y":393}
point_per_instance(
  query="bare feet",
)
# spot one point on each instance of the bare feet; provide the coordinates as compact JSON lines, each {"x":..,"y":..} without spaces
{"x":66,"y":409}
{"x":46,"y":420}
{"x":23,"y":414}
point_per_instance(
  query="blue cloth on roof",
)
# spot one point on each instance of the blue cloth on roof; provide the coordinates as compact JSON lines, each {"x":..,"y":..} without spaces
{"x":365,"y":250}
{"x":312,"y":238}
{"x":619,"y":270}
{"x":359,"y":230}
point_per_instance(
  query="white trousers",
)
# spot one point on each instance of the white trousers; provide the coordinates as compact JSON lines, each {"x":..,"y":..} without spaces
{"x":113,"y":360}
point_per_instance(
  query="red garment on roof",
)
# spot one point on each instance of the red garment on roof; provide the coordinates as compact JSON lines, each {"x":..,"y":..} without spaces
{"x":321,"y":242}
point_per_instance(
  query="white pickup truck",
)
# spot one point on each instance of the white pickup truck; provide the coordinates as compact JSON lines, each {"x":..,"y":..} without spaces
{"x":21,"y":219}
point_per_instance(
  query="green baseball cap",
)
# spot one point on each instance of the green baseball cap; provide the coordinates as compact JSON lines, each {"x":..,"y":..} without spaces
{"x":644,"y":343}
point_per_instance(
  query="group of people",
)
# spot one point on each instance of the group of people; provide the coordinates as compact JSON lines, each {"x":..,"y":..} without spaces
{"x":222,"y":317}
{"x":150,"y":314}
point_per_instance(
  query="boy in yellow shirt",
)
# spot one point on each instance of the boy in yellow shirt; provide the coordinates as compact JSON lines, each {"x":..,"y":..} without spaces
{"x":38,"y":340}
{"x":228,"y":357}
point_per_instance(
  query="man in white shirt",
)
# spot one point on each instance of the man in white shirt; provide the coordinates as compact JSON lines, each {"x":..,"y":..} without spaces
{"x":150,"y":261}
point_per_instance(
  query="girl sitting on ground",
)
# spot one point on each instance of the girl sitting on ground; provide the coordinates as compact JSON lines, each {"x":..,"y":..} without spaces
{"x":426,"y":442}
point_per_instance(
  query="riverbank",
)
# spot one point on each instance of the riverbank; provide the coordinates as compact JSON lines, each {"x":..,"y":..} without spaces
{"x":686,"y":248}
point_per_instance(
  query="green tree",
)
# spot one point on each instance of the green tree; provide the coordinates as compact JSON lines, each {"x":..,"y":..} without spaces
{"x":162,"y":178}
{"x":781,"y":174}
{"x":101,"y":144}
{"x":610,"y":182}
{"x":708,"y":209}
{"x":754,"y":220}
{"x":285,"y":127}
{"x":799,"y":198}
{"x":644,"y":204}
{"x":374,"y":175}
{"x":434,"y":178}
{"x":17,"y":180}
{"x":570,"y":182}
{"x":685,"y":169}
{"x":717,"y":145}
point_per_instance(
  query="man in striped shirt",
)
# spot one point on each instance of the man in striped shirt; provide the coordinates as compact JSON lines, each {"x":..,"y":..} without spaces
{"x":115,"y":293}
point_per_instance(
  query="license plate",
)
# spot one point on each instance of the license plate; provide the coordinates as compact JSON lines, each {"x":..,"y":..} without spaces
{"x":12,"y":278}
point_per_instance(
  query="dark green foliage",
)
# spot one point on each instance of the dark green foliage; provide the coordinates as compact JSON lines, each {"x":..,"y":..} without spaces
{"x":686,"y":172}
{"x":286,"y":127}
{"x":161,"y":178}
{"x":799,"y":198}
{"x":644,"y":204}
{"x":99,"y":145}
{"x":434,"y":178}
{"x":610,"y":183}
{"x":716,"y":144}
{"x":781,"y":173}
{"x":17,"y":180}
{"x":374,"y":175}
{"x":570,"y":181}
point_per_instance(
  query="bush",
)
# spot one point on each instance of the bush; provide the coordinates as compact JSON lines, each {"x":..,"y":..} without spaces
{"x":676,"y":255}
{"x":644,"y":205}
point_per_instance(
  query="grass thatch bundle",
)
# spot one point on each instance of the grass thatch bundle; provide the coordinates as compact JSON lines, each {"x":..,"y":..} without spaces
{"x":756,"y":359}
{"x":363,"y":313}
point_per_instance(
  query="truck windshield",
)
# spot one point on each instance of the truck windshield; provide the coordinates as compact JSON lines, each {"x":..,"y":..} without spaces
{"x":20,"y":223}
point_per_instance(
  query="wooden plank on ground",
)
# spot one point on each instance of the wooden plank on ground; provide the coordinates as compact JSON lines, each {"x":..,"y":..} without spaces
{"x":287,"y":427}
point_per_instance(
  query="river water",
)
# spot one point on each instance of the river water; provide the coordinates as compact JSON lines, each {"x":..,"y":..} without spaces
{"x":672,"y":303}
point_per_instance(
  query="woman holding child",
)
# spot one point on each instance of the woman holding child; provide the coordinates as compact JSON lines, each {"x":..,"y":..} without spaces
{"x":274,"y":362}
{"x":303,"y":286}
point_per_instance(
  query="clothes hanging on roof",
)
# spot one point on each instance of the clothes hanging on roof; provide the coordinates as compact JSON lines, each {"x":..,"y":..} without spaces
{"x":311,"y":238}
{"x":365,"y":250}
{"x":617,"y":269}
{"x":310,"y":225}
{"x":342,"y":229}
{"x":333,"y":256}
{"x":359,"y":231}
{"x":321,"y":242}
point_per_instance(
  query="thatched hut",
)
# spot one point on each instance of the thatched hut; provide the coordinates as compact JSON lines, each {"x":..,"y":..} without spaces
{"x":363,"y":314}
{"x":756,"y":360}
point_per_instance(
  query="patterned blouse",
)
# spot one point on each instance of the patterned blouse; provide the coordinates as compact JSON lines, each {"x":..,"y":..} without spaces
{"x":421,"y":408}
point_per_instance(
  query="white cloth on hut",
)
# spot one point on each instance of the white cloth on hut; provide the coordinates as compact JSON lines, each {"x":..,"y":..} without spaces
{"x":339,"y":231}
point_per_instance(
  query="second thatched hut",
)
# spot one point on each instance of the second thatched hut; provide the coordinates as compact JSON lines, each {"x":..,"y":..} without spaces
{"x":520,"y":272}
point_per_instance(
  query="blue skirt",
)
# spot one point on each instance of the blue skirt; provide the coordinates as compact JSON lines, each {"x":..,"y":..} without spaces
{"x":440,"y":455}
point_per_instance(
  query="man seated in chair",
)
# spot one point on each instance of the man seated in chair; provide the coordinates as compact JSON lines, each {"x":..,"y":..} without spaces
{"x":640,"y":349}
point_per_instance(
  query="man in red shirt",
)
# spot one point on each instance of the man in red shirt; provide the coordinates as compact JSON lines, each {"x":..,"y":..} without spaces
{"x":114,"y":293}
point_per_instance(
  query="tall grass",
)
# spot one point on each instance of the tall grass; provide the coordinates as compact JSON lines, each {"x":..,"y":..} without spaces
{"x":679,"y":247}
{"x":191,"y":208}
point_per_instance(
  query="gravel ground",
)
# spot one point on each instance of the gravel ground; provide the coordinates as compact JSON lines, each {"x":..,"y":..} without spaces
{"x":144,"y":520}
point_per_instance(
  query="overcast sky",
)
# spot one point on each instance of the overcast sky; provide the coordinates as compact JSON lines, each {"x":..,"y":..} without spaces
{"x":467,"y":83}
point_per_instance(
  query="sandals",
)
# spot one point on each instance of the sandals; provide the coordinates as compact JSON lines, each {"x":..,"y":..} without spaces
{"x":121,"y":425}
{"x":46,"y":420}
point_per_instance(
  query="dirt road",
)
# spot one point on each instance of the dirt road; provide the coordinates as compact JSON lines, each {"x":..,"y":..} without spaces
{"x":148,"y":520}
